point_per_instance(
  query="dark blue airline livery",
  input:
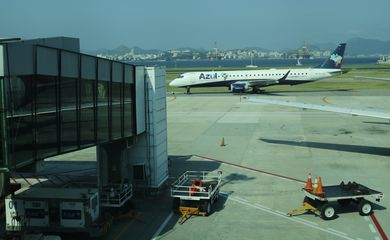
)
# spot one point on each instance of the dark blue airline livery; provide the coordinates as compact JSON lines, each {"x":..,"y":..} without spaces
{"x":335,"y":60}
{"x":208,"y":76}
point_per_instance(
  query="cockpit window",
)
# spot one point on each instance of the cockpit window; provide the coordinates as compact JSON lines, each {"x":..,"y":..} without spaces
{"x":180,"y":76}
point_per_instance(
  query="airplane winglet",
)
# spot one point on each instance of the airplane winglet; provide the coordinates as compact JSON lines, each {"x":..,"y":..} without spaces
{"x":284,"y":77}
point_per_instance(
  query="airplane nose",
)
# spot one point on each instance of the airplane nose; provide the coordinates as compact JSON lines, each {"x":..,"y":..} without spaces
{"x":173,"y":83}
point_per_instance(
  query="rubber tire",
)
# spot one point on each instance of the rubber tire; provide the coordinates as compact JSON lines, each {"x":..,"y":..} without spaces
{"x":344,"y":202}
{"x":327,"y":211}
{"x":207,"y":208}
{"x":365,"y":207}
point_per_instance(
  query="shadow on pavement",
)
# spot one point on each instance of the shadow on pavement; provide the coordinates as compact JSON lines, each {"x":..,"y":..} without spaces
{"x":381,"y":151}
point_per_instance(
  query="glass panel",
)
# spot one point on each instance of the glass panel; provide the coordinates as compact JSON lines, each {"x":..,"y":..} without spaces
{"x":116,"y":111}
{"x":129,"y":74}
{"x":128,"y":104}
{"x":47,"y":61}
{"x":46,"y":135}
{"x":104,"y":70}
{"x":87,"y":109}
{"x":68,"y":114}
{"x":21,"y":139}
{"x":87,"y":123}
{"x":1,"y":122}
{"x":103,"y":96}
{"x":88,"y":68}
{"x":128,"y":108}
{"x":68,"y":100}
{"x":102,"y":111}
{"x":20,"y":125}
{"x":116,"y":100}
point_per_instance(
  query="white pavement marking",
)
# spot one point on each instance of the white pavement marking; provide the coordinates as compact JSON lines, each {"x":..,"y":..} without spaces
{"x":377,"y":238}
{"x":372,"y":228}
{"x":289,"y":218}
{"x":366,"y":218}
{"x":304,"y":220}
{"x":280,"y":212}
{"x":156,"y":234}
{"x":359,"y":239}
{"x":334,"y":230}
{"x":242,"y":199}
{"x":262,"y":206}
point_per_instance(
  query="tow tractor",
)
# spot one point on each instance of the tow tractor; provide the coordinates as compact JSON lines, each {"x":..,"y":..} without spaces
{"x":195,"y":192}
{"x":321,"y":199}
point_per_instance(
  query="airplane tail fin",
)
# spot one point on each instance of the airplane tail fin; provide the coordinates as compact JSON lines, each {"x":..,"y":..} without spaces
{"x":335,"y":60}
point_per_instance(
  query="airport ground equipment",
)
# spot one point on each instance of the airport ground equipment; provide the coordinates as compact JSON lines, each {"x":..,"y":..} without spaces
{"x":195,"y":192}
{"x":66,"y":209}
{"x":322,"y":200}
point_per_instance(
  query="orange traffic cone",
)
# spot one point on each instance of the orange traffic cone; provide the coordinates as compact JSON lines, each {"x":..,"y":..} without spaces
{"x":222,"y":142}
{"x":309,"y":184}
{"x":319,"y":190}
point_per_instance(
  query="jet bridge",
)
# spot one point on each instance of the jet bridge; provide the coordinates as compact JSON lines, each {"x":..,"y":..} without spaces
{"x":56,"y":100}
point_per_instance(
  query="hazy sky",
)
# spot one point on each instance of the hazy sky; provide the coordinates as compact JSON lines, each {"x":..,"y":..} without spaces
{"x":168,"y":24}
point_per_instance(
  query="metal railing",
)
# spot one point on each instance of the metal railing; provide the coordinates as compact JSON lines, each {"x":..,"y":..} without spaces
{"x":115,"y":195}
{"x":184,"y":189}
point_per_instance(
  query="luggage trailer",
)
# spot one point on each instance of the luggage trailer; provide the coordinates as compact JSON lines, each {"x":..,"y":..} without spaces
{"x":195,"y":192}
{"x":343,"y":194}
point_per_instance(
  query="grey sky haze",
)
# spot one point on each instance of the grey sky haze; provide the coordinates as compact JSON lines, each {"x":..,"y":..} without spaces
{"x":168,"y":24}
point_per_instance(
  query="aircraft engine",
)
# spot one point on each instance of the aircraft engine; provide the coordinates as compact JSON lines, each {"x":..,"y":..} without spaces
{"x":239,"y":87}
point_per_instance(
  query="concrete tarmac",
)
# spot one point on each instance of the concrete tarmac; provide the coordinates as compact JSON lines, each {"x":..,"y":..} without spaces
{"x":279,"y":140}
{"x":287,"y":141}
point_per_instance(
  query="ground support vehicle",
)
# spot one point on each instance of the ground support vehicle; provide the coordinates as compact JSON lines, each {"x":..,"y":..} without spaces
{"x":195,"y":192}
{"x":64,"y":209}
{"x":323,"y":204}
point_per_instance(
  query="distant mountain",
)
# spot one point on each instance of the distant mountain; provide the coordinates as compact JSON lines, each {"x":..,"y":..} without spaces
{"x":120,"y":50}
{"x":325,"y":46}
{"x":356,"y":46}
{"x":138,"y":50}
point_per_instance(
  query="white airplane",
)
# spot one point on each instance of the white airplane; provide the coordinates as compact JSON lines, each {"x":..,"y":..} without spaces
{"x":241,"y":80}
{"x":376,"y":113}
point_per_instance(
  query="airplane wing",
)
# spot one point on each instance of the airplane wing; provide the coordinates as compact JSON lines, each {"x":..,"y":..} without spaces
{"x":372,"y":78}
{"x":267,"y":82}
{"x":377,"y":113}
